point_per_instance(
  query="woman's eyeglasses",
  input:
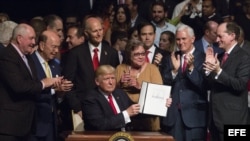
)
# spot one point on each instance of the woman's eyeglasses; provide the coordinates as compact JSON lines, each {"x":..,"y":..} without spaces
{"x":139,"y":54}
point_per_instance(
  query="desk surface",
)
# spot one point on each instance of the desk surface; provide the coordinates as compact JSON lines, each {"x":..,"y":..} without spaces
{"x":105,"y":135}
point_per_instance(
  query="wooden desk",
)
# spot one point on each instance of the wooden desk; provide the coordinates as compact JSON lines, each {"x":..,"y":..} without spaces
{"x":105,"y":135}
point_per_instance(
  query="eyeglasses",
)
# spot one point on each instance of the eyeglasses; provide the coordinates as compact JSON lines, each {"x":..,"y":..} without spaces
{"x":139,"y":54}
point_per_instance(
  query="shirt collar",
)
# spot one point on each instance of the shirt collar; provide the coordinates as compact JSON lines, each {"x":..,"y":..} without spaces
{"x":40,"y":58}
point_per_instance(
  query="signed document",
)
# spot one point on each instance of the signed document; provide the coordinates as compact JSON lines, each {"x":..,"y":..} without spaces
{"x":153,"y":99}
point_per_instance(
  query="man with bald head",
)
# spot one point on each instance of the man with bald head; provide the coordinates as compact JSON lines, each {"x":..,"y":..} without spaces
{"x":44,"y":58}
{"x":79,"y":67}
{"x":209,"y":38}
{"x":19,"y":85}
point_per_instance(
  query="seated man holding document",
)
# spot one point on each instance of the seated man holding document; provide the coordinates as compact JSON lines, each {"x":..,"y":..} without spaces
{"x":130,"y":76}
{"x":107,"y":108}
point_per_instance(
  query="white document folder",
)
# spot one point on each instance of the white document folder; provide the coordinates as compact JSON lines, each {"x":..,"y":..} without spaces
{"x":153,"y":99}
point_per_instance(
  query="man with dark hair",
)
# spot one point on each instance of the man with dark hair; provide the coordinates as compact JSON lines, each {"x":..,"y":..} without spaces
{"x":228,"y":76}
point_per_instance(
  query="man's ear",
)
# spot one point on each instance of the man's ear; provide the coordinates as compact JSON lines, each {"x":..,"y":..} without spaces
{"x":97,"y":82}
{"x":41,"y":45}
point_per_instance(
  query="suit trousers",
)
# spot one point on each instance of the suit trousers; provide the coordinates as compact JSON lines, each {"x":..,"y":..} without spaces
{"x":181,"y":132}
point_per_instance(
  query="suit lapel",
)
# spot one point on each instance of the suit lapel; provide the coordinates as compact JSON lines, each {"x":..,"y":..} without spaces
{"x":231,"y":56}
{"x":104,"y":55}
{"x":118,"y":101}
{"x":20,"y":59}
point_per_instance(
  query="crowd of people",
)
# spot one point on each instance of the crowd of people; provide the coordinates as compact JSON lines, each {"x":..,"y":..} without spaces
{"x":94,"y":65}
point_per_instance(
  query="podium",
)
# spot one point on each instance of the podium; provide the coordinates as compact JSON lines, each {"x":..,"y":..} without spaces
{"x":105,"y":135}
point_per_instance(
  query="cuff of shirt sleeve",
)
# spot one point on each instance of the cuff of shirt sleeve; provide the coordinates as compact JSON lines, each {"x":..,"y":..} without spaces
{"x":43,"y":85}
{"x":126,"y":117}
{"x":218,"y":74}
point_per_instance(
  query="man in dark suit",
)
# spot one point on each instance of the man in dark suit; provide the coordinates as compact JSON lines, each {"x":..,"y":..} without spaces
{"x":19,"y":85}
{"x":146,"y":33}
{"x":133,"y":6}
{"x":209,"y":38}
{"x":97,"y":111}
{"x":79,"y":66}
{"x":46,"y":103}
{"x":228,"y":76}
{"x":187,"y":116}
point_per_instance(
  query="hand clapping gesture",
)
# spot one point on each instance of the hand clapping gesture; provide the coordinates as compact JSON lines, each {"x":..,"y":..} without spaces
{"x":211,"y":63}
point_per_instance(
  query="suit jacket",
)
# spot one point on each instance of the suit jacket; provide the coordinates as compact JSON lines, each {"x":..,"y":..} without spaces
{"x":45,"y":102}
{"x":229,"y":91}
{"x":79,"y":69}
{"x":1,"y":46}
{"x":199,"y":46}
{"x":164,"y":55}
{"x":246,"y":46}
{"x":18,"y":89}
{"x":188,"y":90}
{"x":158,"y":50}
{"x":98,"y":114}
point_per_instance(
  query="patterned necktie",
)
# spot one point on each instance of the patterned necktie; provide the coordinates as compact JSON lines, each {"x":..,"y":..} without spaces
{"x":95,"y":58}
{"x":111,"y":103}
{"x":184,"y":64}
{"x":224,"y":58}
{"x":147,"y":58}
{"x":26,"y":63}
{"x":47,"y":70}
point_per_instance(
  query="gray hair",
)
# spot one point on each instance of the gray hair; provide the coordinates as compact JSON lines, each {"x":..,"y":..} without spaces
{"x":189,"y":29}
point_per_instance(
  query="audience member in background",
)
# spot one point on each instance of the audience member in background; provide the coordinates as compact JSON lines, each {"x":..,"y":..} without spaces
{"x":228,"y":76}
{"x":98,"y":113}
{"x":243,"y":20}
{"x":122,"y":21}
{"x":167,"y":41}
{"x":193,"y":8}
{"x":46,"y":103}
{"x":243,"y":43}
{"x":133,"y":6}
{"x":71,"y":20}
{"x":130,"y":76}
{"x":104,"y":9}
{"x":4,"y":17}
{"x":119,"y":41}
{"x":209,"y":38}
{"x":55,"y":23}
{"x":39,"y":26}
{"x":6,"y":30}
{"x":158,"y":19}
{"x":79,"y":66}
{"x":187,"y":116}
{"x":197,"y":23}
{"x":133,"y":33}
{"x":19,"y":86}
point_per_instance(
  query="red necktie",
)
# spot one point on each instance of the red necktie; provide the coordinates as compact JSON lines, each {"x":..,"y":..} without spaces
{"x":248,"y":85}
{"x":224,"y":59}
{"x":111,"y":103}
{"x":184,"y":64}
{"x":95,"y":59}
{"x":147,"y":59}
